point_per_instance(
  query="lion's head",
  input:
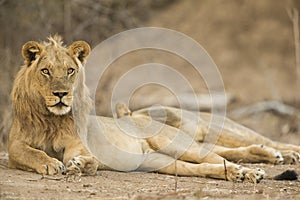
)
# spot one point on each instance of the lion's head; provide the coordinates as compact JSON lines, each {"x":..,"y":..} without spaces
{"x":51,"y":71}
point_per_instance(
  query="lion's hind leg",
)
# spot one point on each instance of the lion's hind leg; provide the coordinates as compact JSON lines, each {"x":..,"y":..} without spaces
{"x":168,"y":165}
{"x":209,"y":163}
{"x":250,"y":154}
{"x":257,"y":154}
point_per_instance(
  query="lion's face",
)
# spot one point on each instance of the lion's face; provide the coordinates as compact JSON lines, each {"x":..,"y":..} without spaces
{"x":56,"y":73}
{"x":55,"y":69}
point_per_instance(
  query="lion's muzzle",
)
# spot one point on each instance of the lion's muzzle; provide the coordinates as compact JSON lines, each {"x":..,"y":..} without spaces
{"x":59,"y":103}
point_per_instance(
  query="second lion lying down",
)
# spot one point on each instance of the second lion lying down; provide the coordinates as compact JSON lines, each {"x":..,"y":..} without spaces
{"x":50,"y":132}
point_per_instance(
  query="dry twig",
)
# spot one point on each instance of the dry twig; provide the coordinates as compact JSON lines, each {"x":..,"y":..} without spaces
{"x":225,"y":170}
{"x":176,"y":176}
{"x":52,"y":178}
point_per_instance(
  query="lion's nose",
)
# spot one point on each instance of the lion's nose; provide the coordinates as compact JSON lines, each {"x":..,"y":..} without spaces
{"x":60,"y":94}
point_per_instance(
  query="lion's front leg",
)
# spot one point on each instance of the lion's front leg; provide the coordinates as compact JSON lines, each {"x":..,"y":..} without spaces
{"x":79,"y":160}
{"x":22,"y":156}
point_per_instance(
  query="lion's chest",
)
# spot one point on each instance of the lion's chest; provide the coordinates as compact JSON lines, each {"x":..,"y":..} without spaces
{"x":53,"y":143}
{"x":51,"y":149}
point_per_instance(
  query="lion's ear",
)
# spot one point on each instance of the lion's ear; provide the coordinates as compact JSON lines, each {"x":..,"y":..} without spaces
{"x":30,"y":51}
{"x":80,"y":50}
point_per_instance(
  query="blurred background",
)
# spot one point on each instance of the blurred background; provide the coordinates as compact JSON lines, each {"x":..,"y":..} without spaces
{"x":255,"y":45}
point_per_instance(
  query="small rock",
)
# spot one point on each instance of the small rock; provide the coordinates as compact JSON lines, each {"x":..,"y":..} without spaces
{"x":87,"y":185}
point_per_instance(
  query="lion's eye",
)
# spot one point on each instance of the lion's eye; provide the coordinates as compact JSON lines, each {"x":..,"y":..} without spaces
{"x":70,"y":71}
{"x":45,"y":71}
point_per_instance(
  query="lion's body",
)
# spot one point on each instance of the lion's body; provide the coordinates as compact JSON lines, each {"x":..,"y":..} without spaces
{"x":50,"y":131}
{"x":230,"y":139}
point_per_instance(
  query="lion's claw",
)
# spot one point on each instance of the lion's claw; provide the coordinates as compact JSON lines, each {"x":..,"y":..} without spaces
{"x":72,"y":168}
{"x":53,"y":168}
{"x":63,"y":169}
{"x":254,"y":175}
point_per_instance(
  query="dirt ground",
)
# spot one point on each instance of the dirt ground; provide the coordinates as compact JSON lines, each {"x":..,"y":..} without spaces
{"x":255,"y":64}
{"x":16,"y":184}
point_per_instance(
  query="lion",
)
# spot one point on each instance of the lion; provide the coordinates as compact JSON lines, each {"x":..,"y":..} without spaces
{"x":54,"y":133}
{"x":43,"y":136}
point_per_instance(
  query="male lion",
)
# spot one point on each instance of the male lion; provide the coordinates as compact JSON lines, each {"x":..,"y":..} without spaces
{"x":43,"y":136}
{"x":51,"y":135}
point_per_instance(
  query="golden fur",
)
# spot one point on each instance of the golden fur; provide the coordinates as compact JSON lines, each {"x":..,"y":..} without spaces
{"x":51,"y":135}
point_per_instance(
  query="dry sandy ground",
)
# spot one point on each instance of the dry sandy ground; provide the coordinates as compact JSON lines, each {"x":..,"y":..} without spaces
{"x":16,"y":184}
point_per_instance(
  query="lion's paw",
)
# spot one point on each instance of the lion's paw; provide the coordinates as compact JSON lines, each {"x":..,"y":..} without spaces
{"x":266,"y":154}
{"x":254,"y":175}
{"x":73,"y":167}
{"x":52,"y":168}
{"x":277,"y":159}
{"x":82,"y":164}
{"x":291,"y":157}
{"x":235,"y":173}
